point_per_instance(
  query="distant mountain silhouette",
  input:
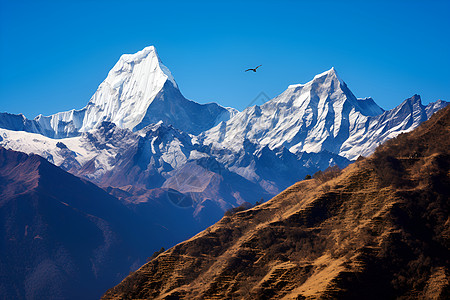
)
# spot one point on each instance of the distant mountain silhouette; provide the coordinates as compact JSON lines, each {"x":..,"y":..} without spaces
{"x":61,"y":237}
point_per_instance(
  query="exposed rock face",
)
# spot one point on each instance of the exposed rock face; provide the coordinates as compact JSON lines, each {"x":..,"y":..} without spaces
{"x":378,"y":230}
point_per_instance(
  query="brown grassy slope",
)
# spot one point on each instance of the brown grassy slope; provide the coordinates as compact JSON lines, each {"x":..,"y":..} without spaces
{"x":379,"y":230}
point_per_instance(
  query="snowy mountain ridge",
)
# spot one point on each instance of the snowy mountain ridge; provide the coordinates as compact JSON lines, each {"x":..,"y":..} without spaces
{"x":321,"y":115}
{"x":177,"y":165}
{"x":130,"y":87}
{"x":139,"y":131}
{"x":133,"y":95}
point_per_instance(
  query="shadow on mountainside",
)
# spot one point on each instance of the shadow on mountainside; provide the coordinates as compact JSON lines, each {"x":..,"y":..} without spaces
{"x":379,"y":230}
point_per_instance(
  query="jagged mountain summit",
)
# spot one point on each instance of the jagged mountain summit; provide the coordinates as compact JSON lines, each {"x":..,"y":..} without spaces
{"x":307,"y":117}
{"x":138,"y":91}
{"x":180,"y":165}
{"x":377,"y":230}
{"x":321,"y":115}
{"x":307,"y":128}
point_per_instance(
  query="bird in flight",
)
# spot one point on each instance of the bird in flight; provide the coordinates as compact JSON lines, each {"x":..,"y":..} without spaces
{"x":254,"y":70}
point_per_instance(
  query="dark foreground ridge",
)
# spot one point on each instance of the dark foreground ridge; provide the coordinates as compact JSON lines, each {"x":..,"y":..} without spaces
{"x":61,"y":237}
{"x":378,"y":230}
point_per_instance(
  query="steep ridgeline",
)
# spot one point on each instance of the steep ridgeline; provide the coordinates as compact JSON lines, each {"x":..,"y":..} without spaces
{"x":377,"y":230}
{"x":138,"y":91}
{"x":138,"y":133}
{"x":321,"y":115}
{"x":175,"y":164}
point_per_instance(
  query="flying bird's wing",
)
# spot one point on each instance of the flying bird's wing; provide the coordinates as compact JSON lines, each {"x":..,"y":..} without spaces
{"x":254,"y":70}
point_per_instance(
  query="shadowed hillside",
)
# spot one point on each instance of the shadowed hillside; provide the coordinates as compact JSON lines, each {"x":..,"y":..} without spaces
{"x":61,"y":237}
{"x":380,"y":229}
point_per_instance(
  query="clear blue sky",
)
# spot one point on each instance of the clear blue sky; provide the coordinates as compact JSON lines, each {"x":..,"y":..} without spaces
{"x":54,"y":54}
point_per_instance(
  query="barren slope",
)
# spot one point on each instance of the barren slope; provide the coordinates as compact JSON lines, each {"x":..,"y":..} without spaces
{"x":379,"y":230}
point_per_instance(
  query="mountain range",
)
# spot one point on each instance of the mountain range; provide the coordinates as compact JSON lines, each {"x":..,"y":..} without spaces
{"x":174,"y":166}
{"x":379,"y":229}
{"x":138,"y":91}
{"x":139,"y":130}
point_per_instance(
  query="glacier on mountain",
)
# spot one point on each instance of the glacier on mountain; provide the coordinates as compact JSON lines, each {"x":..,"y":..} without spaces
{"x":321,"y":115}
{"x":138,"y":91}
{"x":138,"y":133}
{"x":178,"y":165}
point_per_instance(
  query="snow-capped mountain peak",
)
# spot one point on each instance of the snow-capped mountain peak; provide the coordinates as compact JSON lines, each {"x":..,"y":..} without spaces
{"x":331,"y":73}
{"x":148,"y":53}
{"x":138,"y":91}
{"x":128,"y":90}
{"x":320,"y":115}
{"x":324,"y":89}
